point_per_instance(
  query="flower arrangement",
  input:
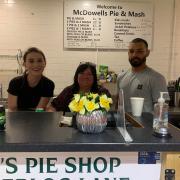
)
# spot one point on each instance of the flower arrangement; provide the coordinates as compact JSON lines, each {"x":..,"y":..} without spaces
{"x":86,"y":104}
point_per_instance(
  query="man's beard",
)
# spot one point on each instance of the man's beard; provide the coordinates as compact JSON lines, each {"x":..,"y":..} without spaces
{"x":136,"y":62}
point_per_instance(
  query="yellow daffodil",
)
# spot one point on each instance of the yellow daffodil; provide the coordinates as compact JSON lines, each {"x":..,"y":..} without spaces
{"x":91,"y":96}
{"x":77,"y":105}
{"x":73,"y":106}
{"x":95,"y":95}
{"x":105,"y":102}
{"x":81,"y":105}
{"x":77,"y":97}
{"x":89,"y":103}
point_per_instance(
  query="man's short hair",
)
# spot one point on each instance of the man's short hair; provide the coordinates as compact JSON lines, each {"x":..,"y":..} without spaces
{"x":140,"y":40}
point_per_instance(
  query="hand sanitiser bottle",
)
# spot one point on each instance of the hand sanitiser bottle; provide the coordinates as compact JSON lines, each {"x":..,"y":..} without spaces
{"x":160,"y":120}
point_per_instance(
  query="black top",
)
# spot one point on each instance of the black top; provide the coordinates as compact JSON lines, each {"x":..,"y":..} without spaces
{"x":28,"y":97}
{"x":36,"y":132}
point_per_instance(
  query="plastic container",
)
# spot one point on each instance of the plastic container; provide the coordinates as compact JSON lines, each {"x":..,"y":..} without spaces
{"x":2,"y":117}
{"x":160,"y":120}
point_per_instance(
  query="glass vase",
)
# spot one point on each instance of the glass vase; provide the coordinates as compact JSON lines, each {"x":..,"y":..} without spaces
{"x":94,"y":122}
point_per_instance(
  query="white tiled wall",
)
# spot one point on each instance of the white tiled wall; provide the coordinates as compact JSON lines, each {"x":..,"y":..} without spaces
{"x":40,"y":23}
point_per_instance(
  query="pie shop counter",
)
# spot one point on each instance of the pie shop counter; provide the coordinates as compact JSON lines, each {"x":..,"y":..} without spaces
{"x":32,"y":139}
{"x":35,"y":132}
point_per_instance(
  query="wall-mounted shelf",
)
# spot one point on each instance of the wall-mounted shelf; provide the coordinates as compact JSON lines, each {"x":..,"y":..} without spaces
{"x":14,"y":57}
{"x":11,"y":65}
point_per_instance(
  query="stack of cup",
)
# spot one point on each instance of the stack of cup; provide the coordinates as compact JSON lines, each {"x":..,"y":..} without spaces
{"x":137,"y":105}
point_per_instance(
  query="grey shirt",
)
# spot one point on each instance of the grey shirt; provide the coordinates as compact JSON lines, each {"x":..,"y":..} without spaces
{"x":147,"y":84}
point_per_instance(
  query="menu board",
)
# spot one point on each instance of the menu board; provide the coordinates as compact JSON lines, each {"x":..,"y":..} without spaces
{"x":106,"y":24}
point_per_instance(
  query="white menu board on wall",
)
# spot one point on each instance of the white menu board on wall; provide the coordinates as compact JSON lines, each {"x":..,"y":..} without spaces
{"x":106,"y":24}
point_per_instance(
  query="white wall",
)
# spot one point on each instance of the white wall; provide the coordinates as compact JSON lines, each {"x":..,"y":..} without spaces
{"x":40,"y":23}
{"x":175,"y":66}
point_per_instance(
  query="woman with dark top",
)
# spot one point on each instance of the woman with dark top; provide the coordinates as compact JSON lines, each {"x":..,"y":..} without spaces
{"x":85,"y":80}
{"x":31,"y":90}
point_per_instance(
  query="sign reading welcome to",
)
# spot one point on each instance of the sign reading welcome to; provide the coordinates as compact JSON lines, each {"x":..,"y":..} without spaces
{"x":106,"y":24}
{"x":76,"y":166}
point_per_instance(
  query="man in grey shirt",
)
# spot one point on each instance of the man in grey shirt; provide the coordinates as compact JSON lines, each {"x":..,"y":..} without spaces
{"x":140,"y":80}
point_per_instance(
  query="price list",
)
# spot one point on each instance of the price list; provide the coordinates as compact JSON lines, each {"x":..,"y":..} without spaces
{"x":80,"y":31}
{"x":102,"y":25}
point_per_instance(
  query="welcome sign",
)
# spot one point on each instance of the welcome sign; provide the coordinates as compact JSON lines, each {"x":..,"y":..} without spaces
{"x":106,"y":24}
{"x":76,"y":166}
